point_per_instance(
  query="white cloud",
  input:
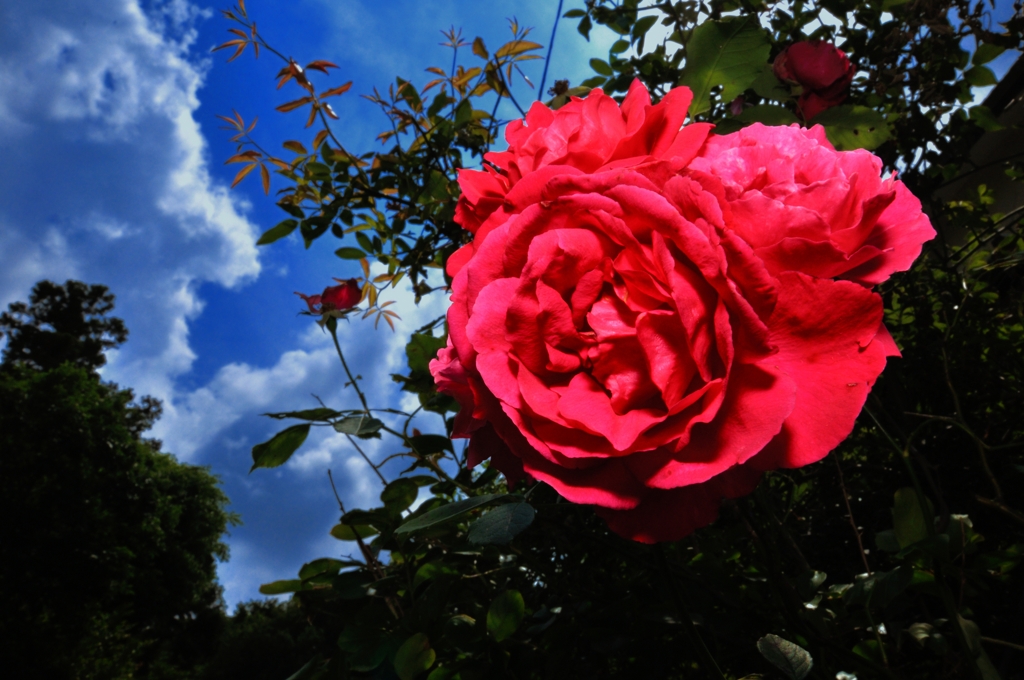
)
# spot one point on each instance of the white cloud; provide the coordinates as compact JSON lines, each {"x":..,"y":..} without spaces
{"x":104,"y":156}
{"x":195,"y":419}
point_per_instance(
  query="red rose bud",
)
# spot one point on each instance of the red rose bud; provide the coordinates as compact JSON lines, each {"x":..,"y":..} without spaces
{"x":821,"y":69}
{"x":344,"y":296}
{"x":650,"y":316}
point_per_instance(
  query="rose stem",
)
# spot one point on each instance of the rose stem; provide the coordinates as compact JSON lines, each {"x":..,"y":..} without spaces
{"x":708,"y":661}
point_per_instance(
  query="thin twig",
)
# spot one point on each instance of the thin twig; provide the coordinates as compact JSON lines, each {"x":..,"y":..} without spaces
{"x":551,"y":45}
{"x":849,"y":513}
{"x":367,"y":459}
{"x":335,"y":490}
{"x":709,"y":663}
{"x":332,"y":327}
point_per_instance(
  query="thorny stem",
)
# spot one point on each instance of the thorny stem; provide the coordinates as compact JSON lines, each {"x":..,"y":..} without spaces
{"x":708,"y":661}
{"x":371,"y":560}
{"x":849,"y":513}
{"x":332,"y":327}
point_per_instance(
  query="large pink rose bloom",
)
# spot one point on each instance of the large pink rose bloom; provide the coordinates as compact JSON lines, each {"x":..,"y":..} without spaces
{"x":612,"y":335}
{"x":803,"y":206}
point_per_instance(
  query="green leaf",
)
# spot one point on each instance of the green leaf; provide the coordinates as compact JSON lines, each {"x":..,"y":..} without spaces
{"x":278,"y":232}
{"x":986,"y":53}
{"x":982,"y":115}
{"x":790,"y":658}
{"x":324,"y":565}
{"x":399,"y":494}
{"x":479,"y":49}
{"x":574,"y":14}
{"x":973,"y":636}
{"x":980,"y":76}
{"x":422,"y":348}
{"x":308,"y":670}
{"x":618,"y":47}
{"x":351,"y":585}
{"x":909,"y":521}
{"x":767,"y":85}
{"x":350,"y":532}
{"x":853,"y":127}
{"x":414,"y":657}
{"x":643,"y":25}
{"x":365,"y":645}
{"x":427,"y":444}
{"x":601,"y":66}
{"x":350,"y":253}
{"x":432,"y":570}
{"x":308,"y":414}
{"x":768,"y":114}
{"x":447,"y":512}
{"x":887,"y":542}
{"x":584,"y":28}
{"x":281,"y":587}
{"x":280,"y":447}
{"x":360,"y":425}
{"x":502,"y":524}
{"x":730,"y":53}
{"x":505,"y":614}
{"x":879,"y":589}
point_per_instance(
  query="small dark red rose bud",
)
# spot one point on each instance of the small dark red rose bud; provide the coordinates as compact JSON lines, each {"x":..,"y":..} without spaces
{"x":343,"y":296}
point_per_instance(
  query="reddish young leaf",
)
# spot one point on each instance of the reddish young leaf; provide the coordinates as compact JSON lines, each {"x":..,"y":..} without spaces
{"x":229,"y":43}
{"x":265,"y":175}
{"x":321,"y":65}
{"x":292,"y":105}
{"x":242,"y":173}
{"x":334,"y":91}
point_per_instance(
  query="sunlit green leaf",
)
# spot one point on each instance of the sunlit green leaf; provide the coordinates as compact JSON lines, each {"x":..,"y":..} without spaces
{"x":909,"y":521}
{"x":730,"y":53}
{"x":360,"y":425}
{"x":853,"y":127}
{"x":278,"y":232}
{"x":505,"y":614}
{"x":788,"y":657}
{"x":502,"y":524}
{"x":280,"y":448}
{"x":281,"y":587}
{"x":399,"y":494}
{"x":414,"y":656}
{"x":448,"y":512}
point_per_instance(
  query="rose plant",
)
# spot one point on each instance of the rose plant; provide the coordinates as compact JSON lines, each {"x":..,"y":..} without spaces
{"x":650,"y":315}
{"x":645,"y":318}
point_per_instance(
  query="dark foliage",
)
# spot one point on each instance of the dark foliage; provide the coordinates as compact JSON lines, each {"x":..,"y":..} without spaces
{"x":107,"y":544}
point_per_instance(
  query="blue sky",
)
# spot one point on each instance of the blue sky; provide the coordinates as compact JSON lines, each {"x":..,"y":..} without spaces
{"x":113,"y":174}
